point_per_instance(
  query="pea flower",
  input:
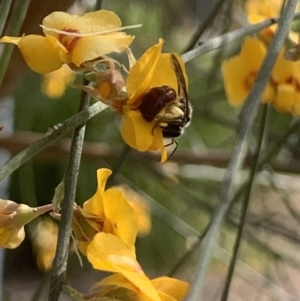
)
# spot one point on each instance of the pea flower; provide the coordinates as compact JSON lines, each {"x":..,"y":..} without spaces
{"x":153,"y":69}
{"x":44,"y":240}
{"x":283,"y":88}
{"x":72,"y":40}
{"x":13,"y":217}
{"x":55,"y":83}
{"x":107,"y":211}
{"x":260,"y":10}
{"x":116,"y":257}
{"x":286,"y":77}
{"x":240,"y":71}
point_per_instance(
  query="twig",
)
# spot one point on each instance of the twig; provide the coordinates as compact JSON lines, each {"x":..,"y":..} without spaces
{"x":239,"y":151}
{"x":245,"y":205}
{"x":70,"y":179}
{"x":50,"y":137}
{"x":230,"y":37}
{"x":17,"y":17}
{"x":203,"y":26}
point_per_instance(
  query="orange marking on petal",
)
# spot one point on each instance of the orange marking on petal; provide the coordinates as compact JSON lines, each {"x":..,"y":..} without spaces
{"x":249,"y":79}
{"x":68,"y":41}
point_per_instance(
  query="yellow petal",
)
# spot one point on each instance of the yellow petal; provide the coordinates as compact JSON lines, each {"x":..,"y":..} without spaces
{"x":108,"y":253}
{"x":40,"y":54}
{"x":285,"y":98}
{"x":120,"y":215}
{"x":88,"y":23}
{"x":141,"y":74}
{"x":296,"y":108}
{"x":239,"y":72}
{"x":176,"y":288}
{"x":140,"y":284}
{"x":11,"y":237}
{"x":89,"y":48}
{"x":164,"y":73}
{"x":95,"y":204}
{"x":12,"y":40}
{"x":283,"y":69}
{"x":136,"y":131}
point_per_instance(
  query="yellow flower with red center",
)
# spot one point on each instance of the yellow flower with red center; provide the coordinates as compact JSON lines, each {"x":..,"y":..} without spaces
{"x":116,"y":257}
{"x":107,"y":211}
{"x":240,"y":71}
{"x":71,"y":39}
{"x":13,"y":217}
{"x":283,"y":88}
{"x":153,"y":69}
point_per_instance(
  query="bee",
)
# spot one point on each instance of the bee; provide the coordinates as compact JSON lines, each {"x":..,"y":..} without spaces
{"x":170,"y":110}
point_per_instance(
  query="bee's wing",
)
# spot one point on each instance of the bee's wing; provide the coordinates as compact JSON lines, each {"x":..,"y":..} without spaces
{"x":182,"y":90}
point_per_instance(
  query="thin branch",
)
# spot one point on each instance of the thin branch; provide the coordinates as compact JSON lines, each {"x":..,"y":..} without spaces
{"x":17,"y":18}
{"x":70,"y":179}
{"x":230,"y":37}
{"x":203,"y":26}
{"x":4,"y":10}
{"x":239,"y":151}
{"x":245,"y":205}
{"x":53,"y":135}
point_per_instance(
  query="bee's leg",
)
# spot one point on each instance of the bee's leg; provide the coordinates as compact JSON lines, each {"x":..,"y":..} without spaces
{"x":173,"y":141}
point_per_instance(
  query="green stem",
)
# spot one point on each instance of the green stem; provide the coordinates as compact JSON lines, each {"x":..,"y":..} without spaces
{"x":13,"y":28}
{"x":230,"y":37}
{"x":70,"y":179}
{"x":4,"y":10}
{"x":203,"y":26}
{"x":245,"y":205}
{"x":239,"y":151}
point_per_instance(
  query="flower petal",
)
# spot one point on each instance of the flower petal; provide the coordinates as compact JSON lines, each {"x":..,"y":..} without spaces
{"x":240,"y":71}
{"x":88,"y":23}
{"x":109,"y":253}
{"x":137,"y":132}
{"x":285,"y":98}
{"x":141,"y":74}
{"x":40,"y":54}
{"x":90,"y":48}
{"x":121,"y":216}
{"x":164,"y":72}
{"x":95,"y":204}
{"x":174,"y":287}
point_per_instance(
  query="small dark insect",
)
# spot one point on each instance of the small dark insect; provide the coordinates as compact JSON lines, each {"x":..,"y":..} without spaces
{"x":172,"y":111}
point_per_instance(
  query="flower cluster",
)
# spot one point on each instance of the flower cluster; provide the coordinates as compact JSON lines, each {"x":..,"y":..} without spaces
{"x":106,"y":228}
{"x":82,"y":43}
{"x":283,"y":88}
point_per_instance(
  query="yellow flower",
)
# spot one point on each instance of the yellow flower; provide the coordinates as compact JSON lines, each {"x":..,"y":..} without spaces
{"x":44,"y":239}
{"x":153,"y":69}
{"x":141,"y":210}
{"x":71,"y":39}
{"x":286,"y":77}
{"x":117,"y":286}
{"x":240,"y":71}
{"x":54,"y":83}
{"x":260,"y":10}
{"x":283,"y":89}
{"x":107,"y":211}
{"x":13,"y":217}
{"x":108,"y":253}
